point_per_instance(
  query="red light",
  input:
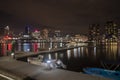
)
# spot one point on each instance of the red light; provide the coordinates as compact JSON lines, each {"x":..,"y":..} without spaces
{"x":7,"y":37}
{"x":9,"y":47}
{"x":35,"y":47}
{"x":36,"y":30}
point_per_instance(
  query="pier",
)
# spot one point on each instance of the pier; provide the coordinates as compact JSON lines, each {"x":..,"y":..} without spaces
{"x":19,"y":70}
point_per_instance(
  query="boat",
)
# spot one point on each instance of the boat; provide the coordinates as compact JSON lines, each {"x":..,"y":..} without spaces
{"x":114,"y":75}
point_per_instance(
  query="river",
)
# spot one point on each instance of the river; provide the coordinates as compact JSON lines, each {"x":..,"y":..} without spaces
{"x":90,"y":56}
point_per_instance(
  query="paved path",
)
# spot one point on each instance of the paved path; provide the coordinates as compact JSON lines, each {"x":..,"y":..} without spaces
{"x":23,"y":70}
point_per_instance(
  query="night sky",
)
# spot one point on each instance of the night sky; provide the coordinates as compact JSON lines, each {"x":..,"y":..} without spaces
{"x":66,"y":15}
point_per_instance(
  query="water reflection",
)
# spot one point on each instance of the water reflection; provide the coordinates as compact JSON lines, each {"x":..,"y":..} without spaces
{"x":56,"y":55}
{"x":82,"y":50}
{"x":118,"y":50}
{"x":111,"y":51}
{"x":75,"y":52}
{"x":76,"y":58}
{"x":68,"y":54}
{"x":95,"y":51}
{"x":79,"y":52}
{"x":61,"y":55}
{"x":26,"y":47}
{"x":49,"y":56}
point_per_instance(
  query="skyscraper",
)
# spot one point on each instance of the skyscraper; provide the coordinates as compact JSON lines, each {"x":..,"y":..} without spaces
{"x":111,"y":30}
{"x":7,"y":30}
{"x":27,"y":30}
{"x":94,"y":32}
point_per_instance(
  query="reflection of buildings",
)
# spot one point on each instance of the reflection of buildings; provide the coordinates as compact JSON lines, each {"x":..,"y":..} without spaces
{"x":112,"y":50}
{"x":31,"y":42}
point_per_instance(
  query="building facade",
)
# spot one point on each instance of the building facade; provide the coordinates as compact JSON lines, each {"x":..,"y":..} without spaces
{"x":94,"y":32}
{"x":111,"y":31}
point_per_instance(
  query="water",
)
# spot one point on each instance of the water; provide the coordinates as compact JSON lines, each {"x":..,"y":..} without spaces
{"x":78,"y":58}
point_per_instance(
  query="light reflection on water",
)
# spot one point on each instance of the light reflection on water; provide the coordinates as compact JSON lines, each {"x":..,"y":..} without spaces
{"x":81,"y":57}
{"x":79,"y":52}
{"x":68,"y":54}
{"x":75,"y":52}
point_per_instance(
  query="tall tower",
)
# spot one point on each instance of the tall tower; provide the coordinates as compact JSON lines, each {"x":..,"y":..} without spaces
{"x":27,"y":30}
{"x":7,"y":30}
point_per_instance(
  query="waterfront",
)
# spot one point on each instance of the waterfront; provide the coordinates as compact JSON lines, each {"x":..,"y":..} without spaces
{"x":78,"y":58}
{"x":88,"y":56}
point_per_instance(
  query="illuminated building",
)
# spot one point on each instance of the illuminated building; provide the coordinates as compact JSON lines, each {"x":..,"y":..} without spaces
{"x":57,"y":33}
{"x":119,"y":33}
{"x":7,"y":30}
{"x":111,"y":31}
{"x":94,"y":32}
{"x":44,"y":33}
{"x":27,"y":33}
{"x":36,"y":34}
{"x":27,"y":30}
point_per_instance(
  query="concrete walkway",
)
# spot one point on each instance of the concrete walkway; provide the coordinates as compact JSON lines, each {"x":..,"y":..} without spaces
{"x":20,"y":70}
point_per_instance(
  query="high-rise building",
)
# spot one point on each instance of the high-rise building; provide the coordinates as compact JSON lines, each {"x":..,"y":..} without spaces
{"x":27,"y":30}
{"x":111,"y":30}
{"x":57,"y":33}
{"x":44,"y":33}
{"x":94,"y":32}
{"x":7,"y":30}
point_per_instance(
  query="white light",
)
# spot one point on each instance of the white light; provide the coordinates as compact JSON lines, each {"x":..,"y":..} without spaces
{"x":28,"y":50}
{"x":12,"y":54}
{"x":48,"y":61}
{"x":49,"y":49}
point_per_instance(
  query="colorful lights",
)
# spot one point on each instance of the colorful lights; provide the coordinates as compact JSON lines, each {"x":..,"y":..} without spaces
{"x":36,"y":30}
{"x":7,"y":38}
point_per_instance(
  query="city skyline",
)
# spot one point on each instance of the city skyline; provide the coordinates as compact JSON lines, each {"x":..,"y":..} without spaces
{"x":68,"y":16}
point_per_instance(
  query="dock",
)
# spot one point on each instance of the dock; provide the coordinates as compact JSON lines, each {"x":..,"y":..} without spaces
{"x":19,"y":70}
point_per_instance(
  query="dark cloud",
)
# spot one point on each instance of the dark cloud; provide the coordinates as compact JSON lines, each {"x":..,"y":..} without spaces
{"x":67,"y":15}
